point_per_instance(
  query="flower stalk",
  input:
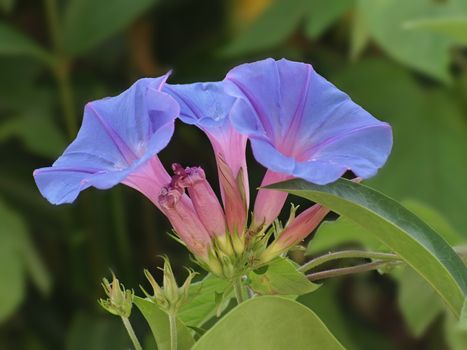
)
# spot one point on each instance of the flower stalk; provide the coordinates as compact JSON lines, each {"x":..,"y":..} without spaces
{"x":173,"y":331}
{"x":131,"y":333}
{"x":238,"y":290}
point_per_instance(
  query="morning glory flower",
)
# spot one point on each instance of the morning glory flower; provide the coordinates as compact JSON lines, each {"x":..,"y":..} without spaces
{"x":207,"y":106}
{"x":300,"y":125}
{"x":118,"y":143}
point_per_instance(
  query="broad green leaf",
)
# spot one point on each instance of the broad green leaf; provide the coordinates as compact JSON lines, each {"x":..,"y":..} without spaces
{"x":426,"y":52}
{"x":89,"y":22}
{"x":202,"y":304}
{"x":323,"y":13}
{"x":17,"y":257}
{"x":456,"y":337}
{"x":418,"y":302}
{"x":269,"y":322}
{"x":430,"y":134}
{"x":397,"y":228}
{"x":455,"y":28}
{"x":332,"y":234}
{"x":270,"y":29}
{"x":359,"y":35}
{"x":12,"y":288}
{"x":280,"y":277}
{"x":159,"y":323}
{"x":435,"y":219}
{"x":92,"y":332}
{"x":13,"y":43}
{"x":463,"y":319}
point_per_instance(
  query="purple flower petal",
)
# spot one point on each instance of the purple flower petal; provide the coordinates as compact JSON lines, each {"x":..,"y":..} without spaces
{"x":301,"y":125}
{"x":118,"y":135}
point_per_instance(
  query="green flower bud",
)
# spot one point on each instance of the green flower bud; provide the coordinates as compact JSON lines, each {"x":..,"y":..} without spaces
{"x":119,"y":301}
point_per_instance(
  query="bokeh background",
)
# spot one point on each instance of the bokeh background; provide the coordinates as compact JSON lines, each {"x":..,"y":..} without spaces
{"x":56,"y":55}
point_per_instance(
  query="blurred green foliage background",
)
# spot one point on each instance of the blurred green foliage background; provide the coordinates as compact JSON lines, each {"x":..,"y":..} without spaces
{"x":404,"y":61}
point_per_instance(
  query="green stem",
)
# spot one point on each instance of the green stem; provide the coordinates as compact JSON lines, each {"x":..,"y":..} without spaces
{"x":61,"y":67}
{"x":131,"y":333}
{"x":238,"y":289}
{"x":350,"y":270}
{"x":346,"y":254}
{"x":173,"y":331}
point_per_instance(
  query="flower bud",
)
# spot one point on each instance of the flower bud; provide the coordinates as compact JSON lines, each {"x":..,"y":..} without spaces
{"x":119,"y":301}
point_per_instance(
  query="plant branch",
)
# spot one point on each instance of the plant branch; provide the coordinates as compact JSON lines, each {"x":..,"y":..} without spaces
{"x":347,"y":254}
{"x":350,"y":270}
{"x":238,"y":290}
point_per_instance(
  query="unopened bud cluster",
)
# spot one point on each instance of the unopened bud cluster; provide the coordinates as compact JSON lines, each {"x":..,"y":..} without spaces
{"x":120,"y":300}
{"x":169,"y":297}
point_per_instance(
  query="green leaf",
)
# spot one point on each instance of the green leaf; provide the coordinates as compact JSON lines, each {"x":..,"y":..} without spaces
{"x":159,"y":323}
{"x":425,"y":52}
{"x":418,"y":302}
{"x":95,"y":333}
{"x":331,"y":234}
{"x":397,"y":228}
{"x":463,"y":319}
{"x":269,"y":322}
{"x":202,"y":304}
{"x":281,"y":277}
{"x":359,"y":35}
{"x":435,"y":219}
{"x":13,"y":43}
{"x":272,"y":27}
{"x":17,"y":257}
{"x":323,"y":13}
{"x":430,"y":134}
{"x":454,"y":28}
{"x":87,"y":22}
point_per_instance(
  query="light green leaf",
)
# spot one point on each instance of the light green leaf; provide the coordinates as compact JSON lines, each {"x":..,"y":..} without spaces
{"x":12,"y":288}
{"x":331,"y":234}
{"x":96,"y":333}
{"x":435,"y":219}
{"x":13,"y":43}
{"x":359,"y":35}
{"x":454,"y":28}
{"x":425,"y":52}
{"x":428,"y":160}
{"x":202,"y":304}
{"x":280,"y":277}
{"x":397,"y":228}
{"x":159,"y":323}
{"x":269,"y":322}
{"x":272,"y":27}
{"x":418,"y":302}
{"x":323,"y":13}
{"x":87,"y":22}
{"x":463,"y":319}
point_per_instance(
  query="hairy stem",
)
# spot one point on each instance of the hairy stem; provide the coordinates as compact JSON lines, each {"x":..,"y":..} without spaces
{"x":131,"y":333}
{"x":347,"y":254}
{"x":350,"y":270}
{"x":173,"y":331}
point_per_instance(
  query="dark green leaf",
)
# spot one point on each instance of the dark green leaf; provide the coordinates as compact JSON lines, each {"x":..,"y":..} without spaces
{"x":94,"y":333}
{"x":281,"y":277}
{"x":88,"y":22}
{"x":269,"y":322}
{"x":397,"y":228}
{"x":272,"y":27}
{"x":13,"y":43}
{"x":159,"y":323}
{"x":323,"y":13}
